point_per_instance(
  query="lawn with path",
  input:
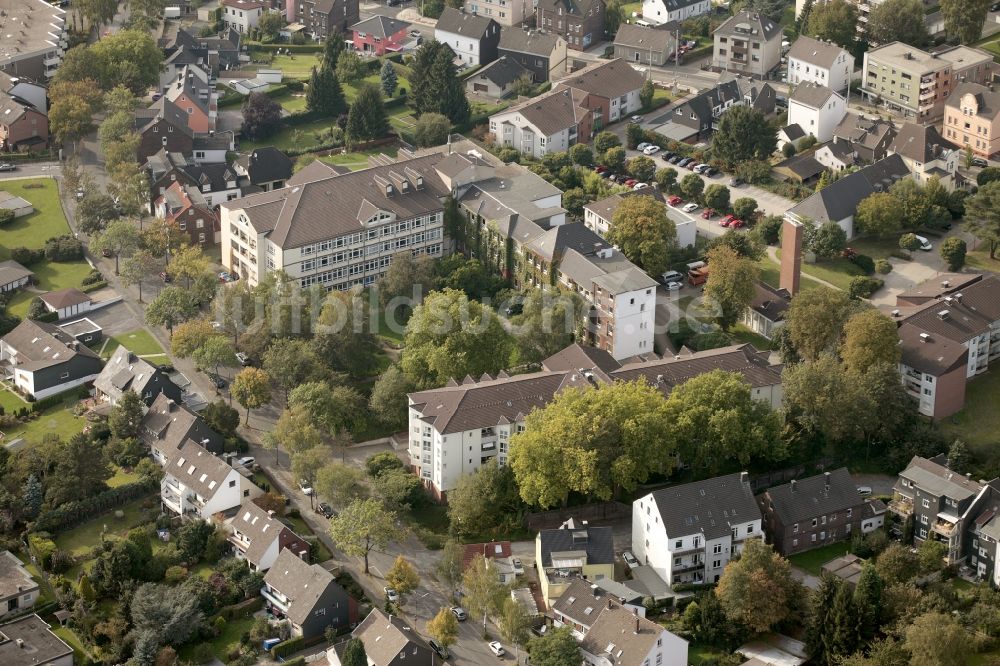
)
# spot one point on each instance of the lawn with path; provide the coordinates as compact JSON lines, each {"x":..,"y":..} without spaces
{"x":838,"y":272}
{"x":140,"y":342}
{"x":813,"y":560}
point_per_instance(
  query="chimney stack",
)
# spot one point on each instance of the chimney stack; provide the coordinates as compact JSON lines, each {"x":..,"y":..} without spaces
{"x":792,"y":485}
{"x":826,"y":480}
{"x":791,"y":256}
{"x":744,"y":477}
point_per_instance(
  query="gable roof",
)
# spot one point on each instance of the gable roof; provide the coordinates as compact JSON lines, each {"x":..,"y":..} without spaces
{"x":812,"y":95}
{"x":605,"y":208}
{"x":815,"y":51}
{"x":302,"y":583}
{"x":382,"y":27}
{"x":64,"y":298}
{"x":266,"y":164}
{"x":550,"y":112}
{"x":11,"y":271}
{"x":609,"y":79}
{"x":624,"y":638}
{"x":793,"y":132}
{"x":260,"y":527}
{"x":596,"y":544}
{"x":534,"y":42}
{"x":930,"y":476}
{"x":491,"y":551}
{"x":579,"y":357}
{"x":770,"y":302}
{"x":920,"y":143}
{"x":987,"y":101}
{"x":190,"y":79}
{"x":659,"y":39}
{"x":703,"y":104}
{"x":168,"y":424}
{"x":501,"y":71}
{"x":803,"y":166}
{"x":391,"y":641}
{"x":456,"y":22}
{"x":41,"y":345}
{"x":125,"y":371}
{"x":162,"y":109}
{"x":667,"y":372}
{"x":840,"y":199}
{"x":869,"y":132}
{"x":710,"y":507}
{"x":196,"y":467}
{"x":826,"y":493}
{"x":571,"y":7}
{"x":747,"y":23}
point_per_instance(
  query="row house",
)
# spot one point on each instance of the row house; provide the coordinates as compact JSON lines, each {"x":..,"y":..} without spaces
{"x":188,"y":208}
{"x":688,"y":533}
{"x":125,"y":371}
{"x":541,"y":53}
{"x":198,"y":484}
{"x":307,"y":597}
{"x":217,"y":181}
{"x":972,"y":119}
{"x":259,"y":536}
{"x":36,"y":50}
{"x":857,"y":140}
{"x":823,"y":63}
{"x":696,"y":118}
{"x":167,"y":424}
{"x":579,"y":22}
{"x":473,"y":38}
{"x":508,"y":13}
{"x":194,"y":93}
{"x":747,"y":43}
{"x":212,"y":53}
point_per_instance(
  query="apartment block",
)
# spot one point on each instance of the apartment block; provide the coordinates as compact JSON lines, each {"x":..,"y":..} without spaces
{"x":917,"y":84}
{"x":573,"y":551}
{"x":581,"y":23}
{"x":748,"y":43}
{"x":322,"y":18}
{"x":34,"y":39}
{"x":972,"y":119}
{"x":823,"y":63}
{"x":507,"y":13}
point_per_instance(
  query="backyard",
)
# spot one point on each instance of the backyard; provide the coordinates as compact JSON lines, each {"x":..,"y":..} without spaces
{"x":979,"y":421}
{"x":770,"y":273}
{"x":813,"y":560}
{"x":140,"y":342}
{"x":57,"y":420}
{"x":838,"y":272}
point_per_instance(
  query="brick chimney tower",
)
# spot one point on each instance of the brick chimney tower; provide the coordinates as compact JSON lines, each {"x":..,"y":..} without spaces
{"x":791,"y":256}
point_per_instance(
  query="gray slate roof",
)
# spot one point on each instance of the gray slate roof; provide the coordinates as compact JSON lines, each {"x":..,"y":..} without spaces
{"x":125,"y":371}
{"x":302,"y":583}
{"x":815,"y":51}
{"x":659,"y":39}
{"x":749,"y":24}
{"x":194,"y":466}
{"x":42,"y":345}
{"x":606,"y":78}
{"x":383,"y":27}
{"x":623,"y":638}
{"x":987,"y":101}
{"x":391,"y":641}
{"x":11,"y":271}
{"x":817,"y":495}
{"x":501,"y":72}
{"x":524,"y":41}
{"x":708,"y":507}
{"x":936,"y":479}
{"x":840,"y":199}
{"x":265,"y":164}
{"x":811,"y":94}
{"x":260,"y":527}
{"x":168,"y":424}
{"x":921,"y":143}
{"x":456,"y":22}
{"x":596,"y":542}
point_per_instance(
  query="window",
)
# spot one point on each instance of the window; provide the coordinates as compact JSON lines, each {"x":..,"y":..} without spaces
{"x":232,"y":484}
{"x":679,"y":543}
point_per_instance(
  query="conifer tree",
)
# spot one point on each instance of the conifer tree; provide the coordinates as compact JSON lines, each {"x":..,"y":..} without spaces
{"x":332,"y":49}
{"x":325,"y":95}
{"x":868,"y":600}
{"x":367,"y":118}
{"x":389,"y":80}
{"x":32,"y":496}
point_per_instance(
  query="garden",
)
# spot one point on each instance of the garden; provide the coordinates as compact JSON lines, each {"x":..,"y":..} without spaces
{"x":140,"y":342}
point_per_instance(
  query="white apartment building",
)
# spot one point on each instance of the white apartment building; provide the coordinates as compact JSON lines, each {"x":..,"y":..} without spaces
{"x":198,"y":484}
{"x":816,"y":109}
{"x":662,"y":11}
{"x":819,"y":62}
{"x":507,"y":13}
{"x":688,"y":533}
{"x":597,"y":216}
{"x":549,"y":123}
{"x":473,"y":38}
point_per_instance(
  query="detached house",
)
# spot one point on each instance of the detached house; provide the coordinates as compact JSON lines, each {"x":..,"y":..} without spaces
{"x":549,"y":123}
{"x":620,"y":637}
{"x":266,"y":168}
{"x":579,"y":22}
{"x":497,"y":79}
{"x":258,"y":536}
{"x":18,"y":590}
{"x":823,"y":63}
{"x":611,"y":87}
{"x":23,"y":127}
{"x":688,"y":533}
{"x":647,"y":46}
{"x":748,"y":43}
{"x":168,"y":424}
{"x":307,"y":596}
{"x":40,"y":359}
{"x":187,"y":207}
{"x":814,"y":512}
{"x":389,"y":641}
{"x":379,"y":35}
{"x":474,"y":39}
{"x":541,"y":53}
{"x":198,"y":484}
{"x":972,"y":119}
{"x":574,"y":550}
{"x":926,"y":154}
{"x":125,"y":371}
{"x":664,"y":11}
{"x":816,"y":109}
{"x":243,"y":15}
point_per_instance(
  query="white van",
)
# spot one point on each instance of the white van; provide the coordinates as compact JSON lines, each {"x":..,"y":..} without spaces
{"x":925,"y":244}
{"x":644,"y":24}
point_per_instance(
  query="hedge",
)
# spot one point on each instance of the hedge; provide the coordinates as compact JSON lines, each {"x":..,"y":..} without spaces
{"x":71,"y":514}
{"x":288,"y":647}
{"x":291,"y":48}
{"x":44,"y":156}
{"x":88,"y":288}
{"x":695,"y":54}
{"x":298,"y":661}
{"x":47,"y":317}
{"x":58,"y":399}
{"x":242,"y":609}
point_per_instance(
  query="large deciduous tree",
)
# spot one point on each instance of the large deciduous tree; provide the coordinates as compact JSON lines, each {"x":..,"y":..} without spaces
{"x":833,"y":21}
{"x":171,"y":306}
{"x":870,"y":338}
{"x":485,"y":503}
{"x":730,"y":287}
{"x":443,"y":627}
{"x":758,"y":591}
{"x":646,"y":236}
{"x":816,"y":395}
{"x":550,"y":320}
{"x":815,"y":320}
{"x":982,"y":214}
{"x":898,"y":21}
{"x":880,"y":214}
{"x":743,"y":134}
{"x":555,"y":648}
{"x":363,"y":526}
{"x":937,"y":639}
{"x":252,"y":389}
{"x":431,"y":129}
{"x":261,"y":116}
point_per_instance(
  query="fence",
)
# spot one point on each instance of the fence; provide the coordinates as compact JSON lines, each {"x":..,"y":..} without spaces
{"x":546,"y":520}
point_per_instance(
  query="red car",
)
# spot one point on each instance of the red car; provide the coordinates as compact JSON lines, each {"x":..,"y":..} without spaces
{"x":600,"y":169}
{"x":736,"y":224}
{"x":725,"y":222}
{"x":708,"y":213}
{"x":675,"y":200}
{"x":630,"y":182}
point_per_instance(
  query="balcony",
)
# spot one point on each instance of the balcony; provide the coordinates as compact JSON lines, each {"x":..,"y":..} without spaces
{"x":901,"y":506}
{"x":687,"y":568}
{"x":54,"y":61}
{"x":276,"y":601}
{"x":924,"y":96}
{"x":171,"y":501}
{"x":945,"y":528}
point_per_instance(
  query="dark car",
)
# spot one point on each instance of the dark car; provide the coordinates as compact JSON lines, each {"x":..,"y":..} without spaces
{"x":979,"y":162}
{"x":8,"y":167}
{"x":219,"y":382}
{"x":736,"y":182}
{"x":675,"y":159}
{"x":106,"y":253}
{"x":325,"y":510}
{"x":441,"y":650}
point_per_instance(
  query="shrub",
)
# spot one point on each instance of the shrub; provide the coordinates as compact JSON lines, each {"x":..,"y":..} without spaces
{"x":175,"y":574}
{"x":909,"y":242}
{"x":865,"y":263}
{"x":287,"y":647}
{"x":883,"y":267}
{"x":953,"y":251}
{"x":36,"y":308}
{"x":509,"y":155}
{"x":26,"y":256}
{"x":63,"y":248}
{"x":6,"y":216}
{"x":219,"y":625}
{"x":202,"y":653}
{"x":61,"y":561}
{"x":901,"y":254}
{"x":863,"y":286}
{"x":93,"y":277}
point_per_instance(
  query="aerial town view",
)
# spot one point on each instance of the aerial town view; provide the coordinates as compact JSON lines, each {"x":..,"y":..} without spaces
{"x":472,"y":332}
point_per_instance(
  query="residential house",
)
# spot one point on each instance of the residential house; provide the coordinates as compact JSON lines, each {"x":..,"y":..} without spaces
{"x":212,"y":148}
{"x":549,"y":123}
{"x":322,"y":18}
{"x":197,"y":483}
{"x":665,"y":11}
{"x":688,"y":533}
{"x":18,"y":590}
{"x":926,"y":154}
{"x":498,"y":558}
{"x":582,"y":602}
{"x":218,"y":182}
{"x":66,"y":302}
{"x":972,"y":119}
{"x":163,"y":126}
{"x":621,"y":638}
{"x":37,"y":50}
{"x":541,"y":53}
{"x":266,"y":168}
{"x":766,"y":312}
{"x":125,"y":371}
{"x":508,"y":13}
{"x":694,"y":120}
{"x":949,"y":331}
{"x":497,"y":79}
{"x":916,"y":83}
{"x":610,"y":89}
{"x":13,"y":276}
{"x":28,"y":641}
{"x":597,"y":215}
{"x":857,"y":140}
{"x":83,"y":330}
{"x":42,"y":360}
{"x":35,"y":94}
{"x":167,"y":424}
{"x":194,"y":94}
{"x":23,"y":128}
{"x":839,"y":201}
{"x":823,"y":63}
{"x":307,"y":596}
{"x":579,"y":22}
{"x":647,"y":46}
{"x":802,"y":169}
{"x":790,"y":134}
{"x":747,"y":43}
{"x":816,"y":109}
{"x":817,"y":511}
{"x":573,"y":550}
{"x":214,"y":54}
{"x":379,"y":35}
{"x":474,"y":39}
{"x":259,"y":536}
{"x":187,"y":207}
{"x":389,"y":641}
{"x":243,"y":15}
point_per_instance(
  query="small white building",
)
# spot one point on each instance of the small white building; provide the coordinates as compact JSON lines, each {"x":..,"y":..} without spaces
{"x":243,"y":15}
{"x":816,"y":109}
{"x":67,"y":302}
{"x":474,"y":39}
{"x":823,"y":63}
{"x":662,"y":11}
{"x":197,"y":483}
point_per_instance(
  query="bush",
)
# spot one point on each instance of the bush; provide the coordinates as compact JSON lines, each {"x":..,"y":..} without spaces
{"x":863,"y":286}
{"x":6,"y":216}
{"x":36,"y":308}
{"x":61,"y":561}
{"x":901,"y":254}
{"x":509,"y":155}
{"x":909,"y":242}
{"x":953,"y":251}
{"x":865,"y":263}
{"x":287,"y":647}
{"x":883,"y":267}
{"x":175,"y":574}
{"x":63,"y":248}
{"x":202,"y":653}
{"x":26,"y":256}
{"x":93,"y":277}
{"x":219,"y":625}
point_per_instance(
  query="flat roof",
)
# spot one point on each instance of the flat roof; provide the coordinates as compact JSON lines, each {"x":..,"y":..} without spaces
{"x":29,"y":26}
{"x":38,"y":644}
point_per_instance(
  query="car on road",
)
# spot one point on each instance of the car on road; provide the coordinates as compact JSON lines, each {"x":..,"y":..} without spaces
{"x":305,"y":487}
{"x":737,"y":224}
{"x":80,"y":193}
{"x":518,"y":567}
{"x":925,"y":244}
{"x":441,"y":650}
{"x":864,"y":491}
{"x":459,"y":613}
{"x":671,"y":276}
{"x":636,"y":119}
{"x":651,"y":150}
{"x":674,"y":159}
{"x":643,"y":146}
{"x":391,"y":595}
{"x":630,"y":559}
{"x":675,"y":200}
{"x":700,"y":168}
{"x":219,"y":382}
{"x":8,"y":167}
{"x":243,"y":359}
{"x":497,"y":649}
{"x":979,"y":162}
{"x":690,"y":208}
{"x":707,"y":214}
{"x":736,"y":182}
{"x":325,"y":510}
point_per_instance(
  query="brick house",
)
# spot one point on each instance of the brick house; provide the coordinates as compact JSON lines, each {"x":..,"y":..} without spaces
{"x":163,"y":126}
{"x":579,"y":22}
{"x":379,"y":34}
{"x":187,"y":207}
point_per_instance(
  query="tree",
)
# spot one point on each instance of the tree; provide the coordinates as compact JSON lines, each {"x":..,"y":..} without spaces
{"x":191,"y":335}
{"x":815,"y":320}
{"x":833,"y":21}
{"x":388,"y":401}
{"x":829,"y":240}
{"x":982,"y":214}
{"x":222,"y":418}
{"x":745,"y":208}
{"x":335,"y":409}
{"x":398,"y":489}
{"x":261,"y":116}
{"x":94,"y":211}
{"x":646,"y":236}
{"x":431,"y":129}
{"x":642,"y":168}
{"x":216,"y":352}
{"x":717,"y":424}
{"x":168,"y":614}
{"x":436,"y":85}
{"x":290,"y":362}
{"x":484,"y":594}
{"x":744,"y":245}
{"x":32,"y":496}
{"x":80,"y":471}
{"x":485,"y":502}
{"x":937,"y":639}
{"x":443,"y":627}
{"x":959,"y":457}
{"x":868,"y":600}
{"x":306,"y":464}
{"x":816,"y":395}
{"x":730,"y":287}
{"x":367,"y":118}
{"x":388,"y":79}
{"x":898,"y":21}
{"x":451,"y":336}
{"x":581,"y":154}
{"x":136,"y":268}
{"x":296,"y":430}
{"x":171,"y":306}
{"x":912,"y":200}
{"x":930,"y":555}
{"x":354,"y":652}
{"x":666,"y":178}
{"x":692,"y":186}
{"x":269,"y":25}
{"x":743,"y":134}
{"x":73,"y":104}
{"x":363,"y":526}
{"x":870,"y":338}
{"x":350,"y":67}
{"x":896,"y":564}
{"x":717,"y":196}
{"x":758,"y":591}
{"x":380,"y":463}
{"x":513,"y":621}
{"x":252,"y":389}
{"x":614,"y":158}
{"x":98,"y":12}
{"x":987,"y":175}
{"x":450,"y":565}
{"x":604,"y":141}
{"x":130,"y":58}
{"x":324,"y":94}
{"x":595,"y":442}
{"x":407,"y":276}
{"x":555,"y":648}
{"x":770,"y":8}
{"x":332,"y":49}
{"x":402,"y":577}
{"x":549,"y":322}
{"x":953,"y":252}
{"x":646,"y":94}
{"x":126,"y":416}
{"x":340,"y":483}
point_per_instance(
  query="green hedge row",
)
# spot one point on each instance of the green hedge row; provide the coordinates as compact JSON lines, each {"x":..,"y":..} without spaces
{"x":242,"y":609}
{"x":292,"y":48}
{"x":29,"y":157}
{"x":695,"y":54}
{"x":58,"y":399}
{"x":73,"y":513}
{"x":288,"y":647}
{"x":47,"y":317}
{"x":94,"y":287}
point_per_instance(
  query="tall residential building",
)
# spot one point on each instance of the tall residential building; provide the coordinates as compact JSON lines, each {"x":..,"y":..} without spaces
{"x":972,"y":119}
{"x":322,"y":18}
{"x":32,"y":38}
{"x":916,"y":83}
{"x":579,"y":22}
{"x":747,"y":43}
{"x":505,"y":12}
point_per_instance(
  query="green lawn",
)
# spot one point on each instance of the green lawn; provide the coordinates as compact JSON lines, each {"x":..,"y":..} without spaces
{"x":289,"y":137}
{"x":698,"y":653}
{"x":296,"y":65}
{"x":980,"y":258}
{"x":224,"y":643}
{"x":85,"y":537}
{"x":876,"y":248}
{"x":56,"y":420}
{"x":139,"y":341}
{"x":358,"y":159}
{"x":770,"y":273}
{"x":293,"y":102}
{"x":838,"y":272}
{"x":741,"y":334}
{"x":122,"y":477}
{"x":979,"y":421}
{"x":80,"y":654}
{"x":10,"y":401}
{"x":813,"y":560}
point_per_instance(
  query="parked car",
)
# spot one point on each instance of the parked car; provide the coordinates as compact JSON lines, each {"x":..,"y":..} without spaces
{"x":630,"y":559}
{"x":247,"y":461}
{"x":630,"y":182}
{"x":459,"y":613}
{"x":441,"y":650}
{"x":698,"y":168}
{"x":684,"y":162}
{"x":643,"y":146}
{"x":671,"y":276}
{"x":225,"y":276}
{"x":7,"y":167}
{"x":651,"y":150}
{"x":518,"y":567}
{"x":675,"y":200}
{"x":391,"y":595}
{"x":639,"y":186}
{"x":497,"y":649}
{"x":414,"y":33}
{"x":166,"y":277}
{"x":690,"y":208}
{"x":925,"y":244}
{"x":325,"y":510}
{"x":864,"y":491}
{"x":708,"y":213}
{"x":710,"y":172}
{"x":219,"y":382}
{"x":305,"y":487}
{"x":636,"y":119}
{"x":737,"y":224}
{"x":243,"y":359}
{"x":727,"y":220}
{"x":979,"y":162}
{"x":675,"y":159}
{"x":736,"y":182}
